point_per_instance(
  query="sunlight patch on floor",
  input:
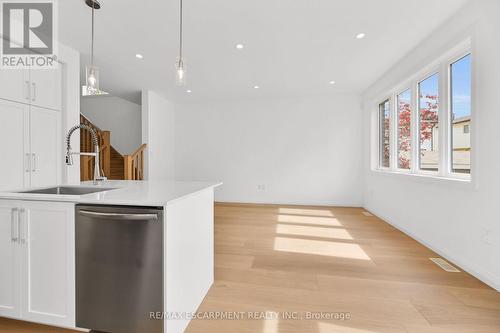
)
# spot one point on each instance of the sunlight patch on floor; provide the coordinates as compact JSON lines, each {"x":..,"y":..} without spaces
{"x":332,"y":328}
{"x":271,"y":325}
{"x":322,"y":248}
{"x":312,"y":231}
{"x":309,"y":212}
{"x":317,"y":220}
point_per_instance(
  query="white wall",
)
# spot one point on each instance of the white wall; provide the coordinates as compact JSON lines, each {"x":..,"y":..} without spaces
{"x":304,"y":151}
{"x":459,"y":222}
{"x":158,"y":134}
{"x":121,"y":117}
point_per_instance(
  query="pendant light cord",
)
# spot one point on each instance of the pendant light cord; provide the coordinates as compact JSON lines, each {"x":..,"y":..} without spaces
{"x":92,"y":46}
{"x":180,"y":34}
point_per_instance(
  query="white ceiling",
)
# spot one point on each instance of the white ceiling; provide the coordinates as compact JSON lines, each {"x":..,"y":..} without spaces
{"x":292,"y":47}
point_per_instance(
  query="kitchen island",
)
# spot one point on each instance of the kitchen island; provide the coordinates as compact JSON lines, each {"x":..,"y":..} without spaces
{"x":37,"y":242}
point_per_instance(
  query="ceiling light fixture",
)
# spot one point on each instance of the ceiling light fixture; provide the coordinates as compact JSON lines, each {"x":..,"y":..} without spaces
{"x":361,"y":35}
{"x":332,"y":82}
{"x":139,"y":56}
{"x":180,"y":64}
{"x":91,"y":71}
{"x":189,"y":91}
{"x":239,"y":46}
{"x":256,"y":87}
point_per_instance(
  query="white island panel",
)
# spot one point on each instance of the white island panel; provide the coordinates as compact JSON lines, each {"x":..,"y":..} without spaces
{"x":189,"y":255}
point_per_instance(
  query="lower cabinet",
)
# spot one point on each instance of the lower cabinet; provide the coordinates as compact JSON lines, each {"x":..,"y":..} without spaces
{"x":37,"y":244}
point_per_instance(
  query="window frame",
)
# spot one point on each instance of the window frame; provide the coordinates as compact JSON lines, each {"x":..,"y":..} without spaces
{"x":380,"y":165}
{"x":449,"y":163}
{"x":412,"y":121}
{"x":441,"y":66}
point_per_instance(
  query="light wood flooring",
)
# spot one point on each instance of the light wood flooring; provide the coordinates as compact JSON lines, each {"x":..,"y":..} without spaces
{"x":325,"y":260}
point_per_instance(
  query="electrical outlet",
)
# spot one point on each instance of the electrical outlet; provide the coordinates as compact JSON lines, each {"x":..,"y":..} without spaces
{"x":487,"y":236}
{"x":261,"y":187}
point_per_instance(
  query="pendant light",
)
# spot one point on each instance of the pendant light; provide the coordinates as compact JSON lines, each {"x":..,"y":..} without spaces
{"x":91,"y":71}
{"x":180,"y":64}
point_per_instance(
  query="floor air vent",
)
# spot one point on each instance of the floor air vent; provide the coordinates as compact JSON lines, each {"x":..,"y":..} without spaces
{"x":367,"y":214}
{"x":445,"y":265}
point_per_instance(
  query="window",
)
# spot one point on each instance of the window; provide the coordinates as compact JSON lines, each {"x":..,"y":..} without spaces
{"x":384,"y":147}
{"x":428,"y":123}
{"x":425,"y":128}
{"x":404,"y":129}
{"x":460,"y":90}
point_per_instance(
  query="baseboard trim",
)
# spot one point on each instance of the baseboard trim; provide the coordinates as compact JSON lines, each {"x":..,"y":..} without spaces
{"x":466,"y":265}
{"x":276,"y":204}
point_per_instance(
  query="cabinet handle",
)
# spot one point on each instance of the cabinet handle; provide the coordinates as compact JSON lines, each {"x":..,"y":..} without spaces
{"x":28,"y":162}
{"x":14,"y":234}
{"x":34,"y":162}
{"x":22,"y":226}
{"x":33,"y":97}
{"x":27,"y":90}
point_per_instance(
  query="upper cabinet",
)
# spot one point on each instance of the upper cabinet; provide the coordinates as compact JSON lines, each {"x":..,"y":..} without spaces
{"x":14,"y":134}
{"x":45,"y":88}
{"x":14,"y":84}
{"x":39,"y":87}
{"x":45,"y":129}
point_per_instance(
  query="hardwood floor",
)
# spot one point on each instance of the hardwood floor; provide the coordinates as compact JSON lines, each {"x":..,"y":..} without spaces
{"x":326,"y":259}
{"x":329,"y":261}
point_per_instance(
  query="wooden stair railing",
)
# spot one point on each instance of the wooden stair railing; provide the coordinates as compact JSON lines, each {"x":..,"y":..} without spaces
{"x":113,"y":164}
{"x":134,"y":164}
{"x":86,"y":145}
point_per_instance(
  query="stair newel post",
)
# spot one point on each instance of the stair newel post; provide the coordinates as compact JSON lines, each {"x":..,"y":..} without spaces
{"x":128,"y":169}
{"x":106,"y":152}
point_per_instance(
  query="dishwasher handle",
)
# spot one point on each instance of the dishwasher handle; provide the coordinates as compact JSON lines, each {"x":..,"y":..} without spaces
{"x":119,"y":216}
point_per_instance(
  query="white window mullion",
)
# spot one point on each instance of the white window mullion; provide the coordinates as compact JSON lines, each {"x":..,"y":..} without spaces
{"x":444,"y":121}
{"x":393,"y":141}
{"x":415,"y":132}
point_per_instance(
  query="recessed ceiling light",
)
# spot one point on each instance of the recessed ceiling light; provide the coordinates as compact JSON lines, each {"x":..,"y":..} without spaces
{"x":332,"y":82}
{"x":239,"y":46}
{"x":256,"y":87}
{"x":139,"y":56}
{"x":189,"y":91}
{"x":361,"y":35}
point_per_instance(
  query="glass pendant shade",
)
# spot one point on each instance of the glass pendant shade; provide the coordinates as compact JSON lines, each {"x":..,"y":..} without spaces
{"x":180,"y":72}
{"x":92,"y":74}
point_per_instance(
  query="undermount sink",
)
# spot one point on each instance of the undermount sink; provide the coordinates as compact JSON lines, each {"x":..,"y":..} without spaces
{"x":69,"y":190}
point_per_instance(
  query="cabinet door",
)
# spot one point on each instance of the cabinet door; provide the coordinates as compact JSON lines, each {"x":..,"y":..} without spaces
{"x":45,"y":156}
{"x":48,"y":263}
{"x":14,"y":85}
{"x":9,"y":261}
{"x":46,"y":88}
{"x":14,"y":136}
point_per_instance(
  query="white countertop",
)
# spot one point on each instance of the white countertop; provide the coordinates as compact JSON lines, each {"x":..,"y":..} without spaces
{"x":125,"y":192}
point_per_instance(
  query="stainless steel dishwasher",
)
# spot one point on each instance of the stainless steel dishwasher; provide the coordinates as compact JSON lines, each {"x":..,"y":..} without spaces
{"x":119,"y":268}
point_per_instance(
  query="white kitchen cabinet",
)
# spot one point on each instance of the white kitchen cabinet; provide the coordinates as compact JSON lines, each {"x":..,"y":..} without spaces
{"x":32,"y":142}
{"x":45,"y":88}
{"x":9,"y":261}
{"x":14,"y":135}
{"x":45,"y":135}
{"x":37,"y":242}
{"x":14,"y":85}
{"x":47,"y":239}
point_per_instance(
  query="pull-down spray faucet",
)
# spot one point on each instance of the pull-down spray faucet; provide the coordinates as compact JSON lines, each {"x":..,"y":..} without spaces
{"x":69,"y":154}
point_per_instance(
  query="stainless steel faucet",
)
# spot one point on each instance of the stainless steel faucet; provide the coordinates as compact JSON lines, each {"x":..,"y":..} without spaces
{"x":69,"y":154}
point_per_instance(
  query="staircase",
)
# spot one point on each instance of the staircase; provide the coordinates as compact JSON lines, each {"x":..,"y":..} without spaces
{"x":114,"y":165}
{"x":117,"y":169}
